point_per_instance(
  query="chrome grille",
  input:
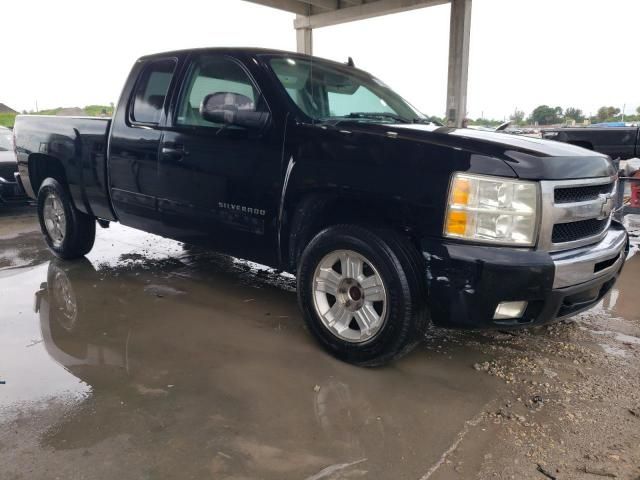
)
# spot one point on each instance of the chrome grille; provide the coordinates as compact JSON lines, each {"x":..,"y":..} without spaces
{"x":569,"y":232}
{"x":575,"y":212}
{"x":581,"y":194}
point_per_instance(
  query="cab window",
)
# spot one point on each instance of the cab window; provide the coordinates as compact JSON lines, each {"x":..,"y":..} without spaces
{"x":151,"y":91}
{"x":215,"y":74}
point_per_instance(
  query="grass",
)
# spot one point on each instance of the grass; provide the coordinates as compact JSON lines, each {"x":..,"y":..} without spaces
{"x":98,"y":110}
{"x":8,"y":119}
{"x":51,"y":111}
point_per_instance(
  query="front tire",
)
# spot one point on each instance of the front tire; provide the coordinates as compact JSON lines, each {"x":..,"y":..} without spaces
{"x":69,"y":233}
{"x":363,"y":293}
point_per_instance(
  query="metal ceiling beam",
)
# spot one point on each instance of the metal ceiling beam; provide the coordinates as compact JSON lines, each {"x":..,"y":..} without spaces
{"x":362,"y":12}
{"x":304,"y":7}
{"x":324,"y":4}
{"x":459,"y":42}
{"x":293,"y":6}
{"x":304,"y":41}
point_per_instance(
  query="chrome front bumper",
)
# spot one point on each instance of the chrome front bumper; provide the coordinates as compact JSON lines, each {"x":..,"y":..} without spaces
{"x":580,"y":265}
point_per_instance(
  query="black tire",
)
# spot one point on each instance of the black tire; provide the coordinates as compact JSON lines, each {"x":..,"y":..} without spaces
{"x":79,"y":230}
{"x":69,"y":288}
{"x":402,"y":270}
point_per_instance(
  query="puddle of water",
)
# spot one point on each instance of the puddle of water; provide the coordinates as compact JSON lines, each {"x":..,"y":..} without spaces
{"x":613,"y":350}
{"x":14,"y":223}
{"x":147,"y":343}
{"x":619,"y":337}
{"x":201,"y":362}
{"x":32,"y":379}
{"x":623,"y":300}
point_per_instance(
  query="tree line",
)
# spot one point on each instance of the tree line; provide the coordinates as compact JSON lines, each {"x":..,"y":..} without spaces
{"x":546,"y":115}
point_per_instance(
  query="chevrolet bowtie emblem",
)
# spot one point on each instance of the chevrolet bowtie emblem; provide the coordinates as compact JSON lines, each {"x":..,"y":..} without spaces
{"x":607,"y":206}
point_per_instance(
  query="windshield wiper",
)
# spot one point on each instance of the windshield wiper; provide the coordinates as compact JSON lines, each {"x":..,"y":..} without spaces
{"x":427,"y":121}
{"x":374,"y":115}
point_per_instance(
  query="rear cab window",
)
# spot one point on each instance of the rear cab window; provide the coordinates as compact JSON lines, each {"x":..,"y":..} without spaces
{"x":151,"y":90}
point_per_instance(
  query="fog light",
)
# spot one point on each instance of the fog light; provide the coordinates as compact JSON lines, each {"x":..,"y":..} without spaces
{"x":507,"y":310}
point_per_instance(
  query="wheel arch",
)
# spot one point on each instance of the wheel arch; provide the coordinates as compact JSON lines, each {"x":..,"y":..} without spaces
{"x":313,"y":212}
{"x":42,"y":166}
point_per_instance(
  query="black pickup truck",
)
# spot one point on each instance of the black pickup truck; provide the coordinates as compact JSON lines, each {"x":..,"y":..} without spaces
{"x":618,"y":142}
{"x":389,"y":222}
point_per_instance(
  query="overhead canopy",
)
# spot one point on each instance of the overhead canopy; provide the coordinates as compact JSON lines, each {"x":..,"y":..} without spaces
{"x":312,"y":14}
{"x":322,"y":13}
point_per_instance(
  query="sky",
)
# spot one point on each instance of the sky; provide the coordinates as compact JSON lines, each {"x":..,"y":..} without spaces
{"x":578,"y":53}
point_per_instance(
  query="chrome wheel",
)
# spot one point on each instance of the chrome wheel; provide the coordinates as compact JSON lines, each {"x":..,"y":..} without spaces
{"x":65,"y":301}
{"x":54,"y":218}
{"x":349,"y":296}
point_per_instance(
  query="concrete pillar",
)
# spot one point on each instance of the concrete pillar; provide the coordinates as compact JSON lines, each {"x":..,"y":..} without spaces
{"x":459,"y":37}
{"x":304,"y":37}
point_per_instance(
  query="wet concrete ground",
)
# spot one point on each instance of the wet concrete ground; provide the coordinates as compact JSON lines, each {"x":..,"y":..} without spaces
{"x":152,"y":360}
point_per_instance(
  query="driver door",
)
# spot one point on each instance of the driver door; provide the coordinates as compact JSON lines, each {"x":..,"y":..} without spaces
{"x":220,"y":180}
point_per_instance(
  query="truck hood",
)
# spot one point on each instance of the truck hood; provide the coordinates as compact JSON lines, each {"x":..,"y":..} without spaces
{"x":530,"y":158}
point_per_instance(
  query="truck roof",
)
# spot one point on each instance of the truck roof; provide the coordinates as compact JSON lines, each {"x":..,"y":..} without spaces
{"x":240,"y":50}
{"x":248,"y":50}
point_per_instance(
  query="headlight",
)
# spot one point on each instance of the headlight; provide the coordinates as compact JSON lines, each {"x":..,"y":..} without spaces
{"x":492,"y":209}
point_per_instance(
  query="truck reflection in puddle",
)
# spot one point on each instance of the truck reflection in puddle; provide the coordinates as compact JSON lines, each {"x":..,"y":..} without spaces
{"x":225,"y":375}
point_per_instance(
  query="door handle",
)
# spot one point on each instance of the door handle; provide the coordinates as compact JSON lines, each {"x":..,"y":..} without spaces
{"x":174,"y":153}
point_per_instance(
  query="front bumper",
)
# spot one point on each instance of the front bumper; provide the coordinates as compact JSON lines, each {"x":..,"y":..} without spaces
{"x":467,"y":282}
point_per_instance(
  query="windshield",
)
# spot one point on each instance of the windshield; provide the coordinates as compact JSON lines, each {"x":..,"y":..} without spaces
{"x":6,"y":141}
{"x":326,"y":91}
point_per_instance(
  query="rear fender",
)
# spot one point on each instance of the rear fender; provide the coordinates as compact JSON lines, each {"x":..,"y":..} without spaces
{"x":42,"y":166}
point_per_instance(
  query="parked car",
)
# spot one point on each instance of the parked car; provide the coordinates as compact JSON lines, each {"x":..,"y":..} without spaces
{"x":10,"y":189}
{"x":619,"y":142}
{"x":388,"y":221}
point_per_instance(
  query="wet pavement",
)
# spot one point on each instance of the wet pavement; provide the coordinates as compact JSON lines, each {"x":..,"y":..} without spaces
{"x":154,"y":360}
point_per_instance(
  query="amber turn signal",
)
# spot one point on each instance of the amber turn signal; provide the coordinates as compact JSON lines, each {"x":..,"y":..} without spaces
{"x":460,"y":191}
{"x":456,"y":222}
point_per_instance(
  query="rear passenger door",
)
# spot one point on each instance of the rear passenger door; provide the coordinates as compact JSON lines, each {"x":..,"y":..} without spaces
{"x":134,"y":143}
{"x":220,"y":183}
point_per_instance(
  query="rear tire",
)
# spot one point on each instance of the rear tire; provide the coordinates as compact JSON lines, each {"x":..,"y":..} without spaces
{"x":357,"y":323}
{"x":69,"y":233}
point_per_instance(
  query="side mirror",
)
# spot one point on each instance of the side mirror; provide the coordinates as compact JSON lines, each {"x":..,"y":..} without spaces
{"x":232,"y":109}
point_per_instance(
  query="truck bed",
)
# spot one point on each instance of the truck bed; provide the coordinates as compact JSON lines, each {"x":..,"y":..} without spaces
{"x":71,"y":147}
{"x":617,"y":142}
